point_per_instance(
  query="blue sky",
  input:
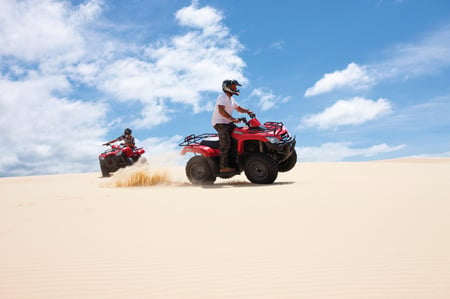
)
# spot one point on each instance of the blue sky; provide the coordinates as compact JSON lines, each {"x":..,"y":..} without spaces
{"x":353,"y":80}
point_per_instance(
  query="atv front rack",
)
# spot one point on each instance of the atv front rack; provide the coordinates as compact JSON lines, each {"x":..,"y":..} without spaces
{"x":276,"y":126}
{"x":196,"y":139}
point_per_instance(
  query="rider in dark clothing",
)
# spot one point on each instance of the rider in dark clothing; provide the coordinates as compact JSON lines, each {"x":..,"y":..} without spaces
{"x":128,"y":142}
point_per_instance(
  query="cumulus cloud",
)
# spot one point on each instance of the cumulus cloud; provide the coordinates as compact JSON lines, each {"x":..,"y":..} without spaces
{"x":39,"y":28}
{"x":205,"y":18}
{"x":332,"y":152}
{"x":49,"y":48}
{"x":43,"y":129}
{"x":348,"y":112}
{"x":44,"y":133}
{"x":43,"y":30}
{"x":180,"y":69}
{"x":354,"y":77}
{"x":267,"y":100}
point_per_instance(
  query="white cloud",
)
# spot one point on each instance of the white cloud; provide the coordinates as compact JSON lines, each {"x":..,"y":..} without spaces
{"x":87,"y":12}
{"x":37,"y":30}
{"x":348,"y":112}
{"x":49,"y":47}
{"x":179,"y":69}
{"x":267,"y":100}
{"x":431,"y":155}
{"x":426,"y":56}
{"x":43,"y":133}
{"x":354,"y":77}
{"x":205,"y":18}
{"x":44,"y":130}
{"x":332,"y":152}
{"x":151,"y":114}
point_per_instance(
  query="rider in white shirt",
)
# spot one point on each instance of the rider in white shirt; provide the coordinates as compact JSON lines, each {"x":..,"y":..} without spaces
{"x":223,"y":120}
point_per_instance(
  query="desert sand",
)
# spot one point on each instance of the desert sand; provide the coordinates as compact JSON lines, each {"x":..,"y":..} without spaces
{"x":323,"y":230}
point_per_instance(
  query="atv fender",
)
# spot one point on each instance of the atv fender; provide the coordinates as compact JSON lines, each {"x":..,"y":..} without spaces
{"x":128,"y":151}
{"x":205,"y":151}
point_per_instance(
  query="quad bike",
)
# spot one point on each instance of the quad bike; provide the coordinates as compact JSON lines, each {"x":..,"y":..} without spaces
{"x":118,"y":156}
{"x":261,"y":151}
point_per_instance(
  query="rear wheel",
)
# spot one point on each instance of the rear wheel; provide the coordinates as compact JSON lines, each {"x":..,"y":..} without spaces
{"x":261,"y":169}
{"x":198,"y":171}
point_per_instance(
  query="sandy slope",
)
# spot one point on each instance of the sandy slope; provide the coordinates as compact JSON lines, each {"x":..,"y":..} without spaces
{"x":323,"y":230}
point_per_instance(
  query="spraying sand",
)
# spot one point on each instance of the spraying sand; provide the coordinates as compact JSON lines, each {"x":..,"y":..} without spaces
{"x":140,"y":174}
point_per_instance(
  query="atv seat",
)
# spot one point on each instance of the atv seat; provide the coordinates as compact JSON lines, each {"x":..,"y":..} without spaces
{"x":212,"y":142}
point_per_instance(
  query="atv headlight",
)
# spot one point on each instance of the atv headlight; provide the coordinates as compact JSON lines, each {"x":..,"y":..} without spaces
{"x":273,"y":139}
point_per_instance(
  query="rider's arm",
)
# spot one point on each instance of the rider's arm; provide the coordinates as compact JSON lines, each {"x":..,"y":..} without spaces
{"x":225,"y":114}
{"x":112,"y":141}
{"x":243,"y":110}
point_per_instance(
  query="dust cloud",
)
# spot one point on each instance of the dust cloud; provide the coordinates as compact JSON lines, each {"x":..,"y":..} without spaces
{"x":141,"y":174}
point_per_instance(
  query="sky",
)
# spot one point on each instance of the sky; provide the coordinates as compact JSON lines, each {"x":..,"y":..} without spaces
{"x":354,"y":80}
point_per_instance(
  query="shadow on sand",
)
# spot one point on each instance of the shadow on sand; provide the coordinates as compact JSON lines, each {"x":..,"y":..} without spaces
{"x":239,"y":184}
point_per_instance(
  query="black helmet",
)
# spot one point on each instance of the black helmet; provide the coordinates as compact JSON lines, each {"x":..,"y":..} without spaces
{"x":127,"y":131}
{"x":226,"y":86}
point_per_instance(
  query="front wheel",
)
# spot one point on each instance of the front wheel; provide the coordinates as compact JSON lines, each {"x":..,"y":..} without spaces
{"x":261,"y":169}
{"x":198,"y":171}
{"x":104,"y":169}
{"x":289,"y":163}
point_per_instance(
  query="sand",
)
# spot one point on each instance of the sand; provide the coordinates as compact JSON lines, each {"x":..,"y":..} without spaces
{"x":323,"y":230}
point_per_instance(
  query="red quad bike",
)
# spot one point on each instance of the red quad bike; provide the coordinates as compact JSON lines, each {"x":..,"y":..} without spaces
{"x":259,"y":150}
{"x":116,"y":156}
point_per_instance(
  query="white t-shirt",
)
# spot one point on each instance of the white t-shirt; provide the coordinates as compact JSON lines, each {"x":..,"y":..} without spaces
{"x":229,"y":104}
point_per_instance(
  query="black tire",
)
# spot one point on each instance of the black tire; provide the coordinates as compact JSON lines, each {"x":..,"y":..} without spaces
{"x":104,"y":169}
{"x":261,"y":169}
{"x":289,"y":163}
{"x":198,"y":171}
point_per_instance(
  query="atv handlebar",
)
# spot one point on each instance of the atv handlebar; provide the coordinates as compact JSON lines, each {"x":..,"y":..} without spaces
{"x":245,"y":121}
{"x":112,"y":143}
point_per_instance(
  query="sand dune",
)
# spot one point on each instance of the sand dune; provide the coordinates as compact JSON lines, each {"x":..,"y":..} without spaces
{"x":323,"y":230}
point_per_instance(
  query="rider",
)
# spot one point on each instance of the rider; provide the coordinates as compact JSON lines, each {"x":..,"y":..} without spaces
{"x":224,"y":122}
{"x":128,"y":143}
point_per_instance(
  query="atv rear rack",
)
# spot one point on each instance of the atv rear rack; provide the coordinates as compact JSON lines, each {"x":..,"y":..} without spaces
{"x":196,"y":139}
